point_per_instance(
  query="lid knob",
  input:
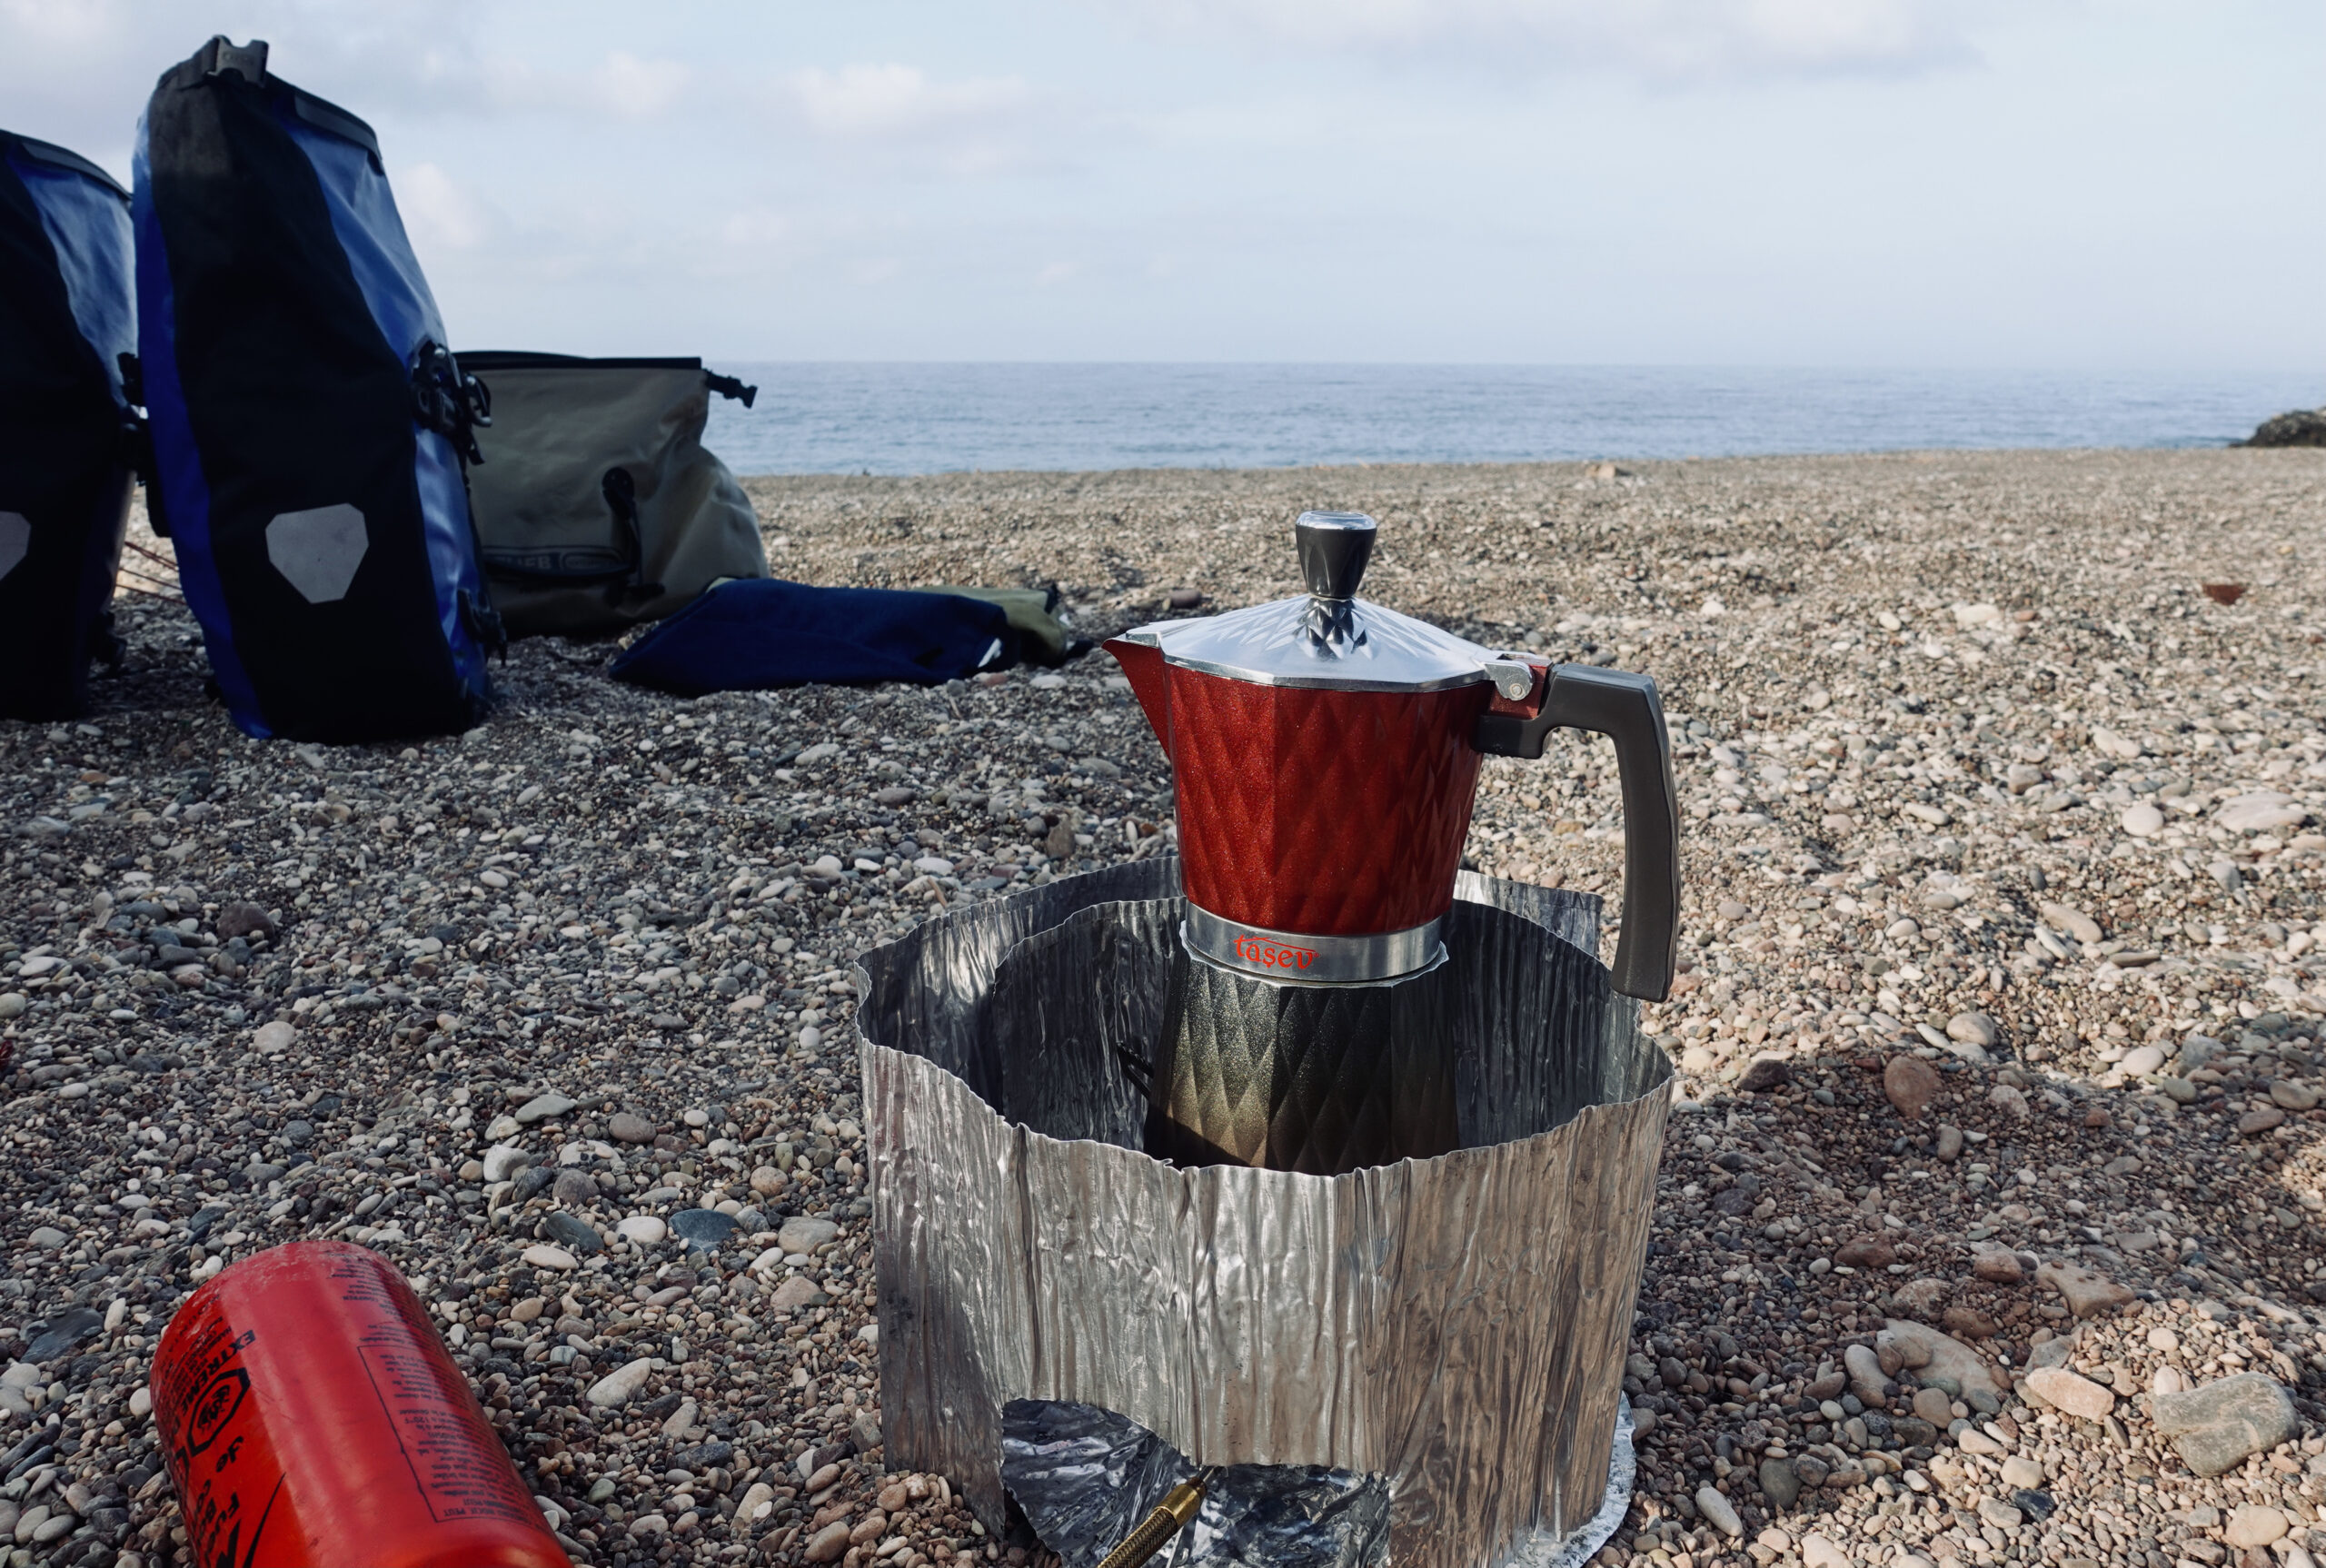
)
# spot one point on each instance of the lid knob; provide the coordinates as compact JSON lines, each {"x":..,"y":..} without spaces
{"x":1334,"y":548}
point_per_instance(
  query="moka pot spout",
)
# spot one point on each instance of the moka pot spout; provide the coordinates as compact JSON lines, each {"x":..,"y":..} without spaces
{"x":1142,"y":663}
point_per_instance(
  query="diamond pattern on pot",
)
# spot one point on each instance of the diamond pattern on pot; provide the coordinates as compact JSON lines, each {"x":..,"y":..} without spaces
{"x":1325,"y":813}
{"x":1320,"y":1079}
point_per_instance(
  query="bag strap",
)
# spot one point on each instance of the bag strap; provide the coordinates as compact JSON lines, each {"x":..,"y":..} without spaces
{"x":137,"y":437}
{"x":621,"y":491}
{"x":455,"y":405}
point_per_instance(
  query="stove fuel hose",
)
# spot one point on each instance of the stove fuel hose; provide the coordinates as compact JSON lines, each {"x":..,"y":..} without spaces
{"x":1155,"y":1532}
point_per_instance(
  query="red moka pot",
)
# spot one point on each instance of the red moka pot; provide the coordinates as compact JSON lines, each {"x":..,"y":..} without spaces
{"x":1326,"y":754}
{"x":311,"y":1417}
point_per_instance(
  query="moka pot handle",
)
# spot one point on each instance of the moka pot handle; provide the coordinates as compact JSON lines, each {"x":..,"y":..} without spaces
{"x":1625,"y":709}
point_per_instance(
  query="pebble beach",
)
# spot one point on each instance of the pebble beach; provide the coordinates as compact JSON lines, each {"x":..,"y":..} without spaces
{"x":1992,"y":1223}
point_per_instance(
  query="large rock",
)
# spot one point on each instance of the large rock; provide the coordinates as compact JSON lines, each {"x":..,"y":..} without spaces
{"x":2302,"y":427}
{"x":1716,"y":1508}
{"x":1945,"y":1359}
{"x":2254,"y":1525}
{"x":616,"y":1387}
{"x":805,"y":1233}
{"x":1779,"y":1484}
{"x":1867,"y":1380}
{"x":2216,"y":1425}
{"x":1965,"y":1321}
{"x":243,"y":919}
{"x":2067,"y":1391}
{"x":2074,"y":922}
{"x":1920,"y":1298}
{"x":1819,"y":1552}
{"x":2086,"y":1292}
{"x":1911,"y":1084}
{"x":797,"y":1291}
{"x":827,"y":1544}
{"x":1996,"y":1264}
{"x":2293,"y":1096}
{"x":2196,"y":1050}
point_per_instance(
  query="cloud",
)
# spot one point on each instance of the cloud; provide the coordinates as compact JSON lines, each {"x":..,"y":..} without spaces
{"x":1666,"y":41}
{"x":438,"y":213}
{"x":620,"y":85}
{"x":900,"y":115}
{"x":83,"y":67}
{"x":900,"y":101}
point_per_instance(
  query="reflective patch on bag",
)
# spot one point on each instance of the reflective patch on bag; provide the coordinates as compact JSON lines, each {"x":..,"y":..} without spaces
{"x":15,"y":539}
{"x":991,"y":654}
{"x":318,"y":550}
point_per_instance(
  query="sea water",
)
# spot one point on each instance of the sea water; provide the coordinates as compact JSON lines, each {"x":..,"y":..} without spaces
{"x":899,"y":419}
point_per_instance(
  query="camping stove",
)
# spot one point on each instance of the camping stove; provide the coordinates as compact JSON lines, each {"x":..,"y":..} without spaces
{"x":1418,"y":1361}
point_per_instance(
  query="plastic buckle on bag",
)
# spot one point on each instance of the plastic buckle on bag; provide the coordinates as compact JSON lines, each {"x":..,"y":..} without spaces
{"x":484,"y":623}
{"x":447,"y":401}
{"x":730,"y":387}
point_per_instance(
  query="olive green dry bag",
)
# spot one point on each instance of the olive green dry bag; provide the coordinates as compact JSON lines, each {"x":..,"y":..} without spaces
{"x":596,"y":505}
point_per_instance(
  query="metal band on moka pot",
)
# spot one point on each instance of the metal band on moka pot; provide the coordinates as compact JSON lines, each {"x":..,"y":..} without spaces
{"x":1308,"y":960}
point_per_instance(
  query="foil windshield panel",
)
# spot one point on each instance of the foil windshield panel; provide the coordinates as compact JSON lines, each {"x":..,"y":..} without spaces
{"x":1073,"y":1017}
{"x":1070,"y":1023}
{"x":1456,"y":1325}
{"x":930,"y":990}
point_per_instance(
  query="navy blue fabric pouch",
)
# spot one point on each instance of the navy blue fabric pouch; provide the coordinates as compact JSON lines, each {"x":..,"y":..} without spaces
{"x":755,"y":634}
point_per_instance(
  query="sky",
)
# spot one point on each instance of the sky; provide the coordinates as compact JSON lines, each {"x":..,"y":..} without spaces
{"x":2042,"y":183}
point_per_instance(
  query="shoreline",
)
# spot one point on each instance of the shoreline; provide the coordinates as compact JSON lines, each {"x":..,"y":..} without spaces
{"x":1637,"y":463}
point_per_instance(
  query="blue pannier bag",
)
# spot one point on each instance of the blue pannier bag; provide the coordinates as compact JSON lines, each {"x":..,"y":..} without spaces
{"x":67,"y":434}
{"x":310,"y":426}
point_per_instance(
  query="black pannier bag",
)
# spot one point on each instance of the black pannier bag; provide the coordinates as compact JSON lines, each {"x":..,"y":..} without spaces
{"x":597,"y":506}
{"x":310,"y":426}
{"x":67,"y":435}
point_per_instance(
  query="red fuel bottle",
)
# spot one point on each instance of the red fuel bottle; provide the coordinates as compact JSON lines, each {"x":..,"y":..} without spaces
{"x":311,"y":1418}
